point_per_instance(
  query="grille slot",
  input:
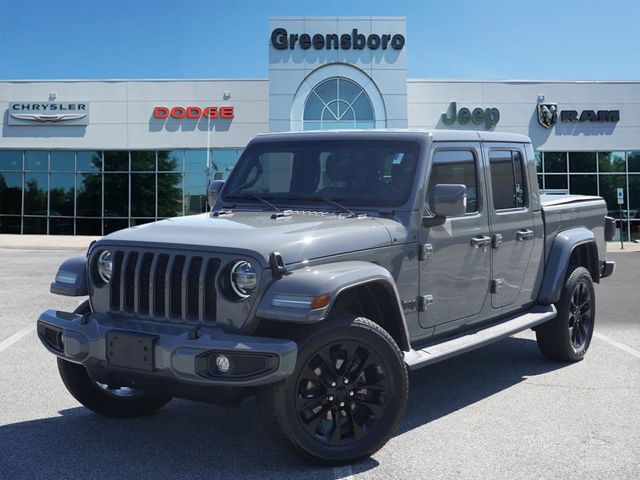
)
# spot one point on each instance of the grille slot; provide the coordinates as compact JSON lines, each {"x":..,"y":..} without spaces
{"x":143,"y":283}
{"x":115,"y":280}
{"x":164,"y":286}
{"x":210,"y":299}
{"x":128,"y":281}
{"x":159,"y":284}
{"x":193,"y":287}
{"x":175,"y":287}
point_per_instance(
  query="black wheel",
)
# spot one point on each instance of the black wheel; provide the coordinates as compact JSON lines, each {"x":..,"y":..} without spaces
{"x":568,"y":336}
{"x":346,"y":396}
{"x":108,"y":400}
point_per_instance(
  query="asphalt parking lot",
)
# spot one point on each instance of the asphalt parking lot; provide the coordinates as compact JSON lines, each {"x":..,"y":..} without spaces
{"x":500,"y":412}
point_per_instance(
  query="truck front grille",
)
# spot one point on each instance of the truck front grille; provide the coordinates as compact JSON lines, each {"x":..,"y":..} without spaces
{"x":174,"y":287}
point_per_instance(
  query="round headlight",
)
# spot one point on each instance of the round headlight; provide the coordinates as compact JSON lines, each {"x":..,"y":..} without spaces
{"x":105,"y":266}
{"x":243,"y":279}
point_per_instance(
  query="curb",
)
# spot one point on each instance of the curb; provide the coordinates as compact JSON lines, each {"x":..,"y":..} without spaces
{"x":45,"y":242}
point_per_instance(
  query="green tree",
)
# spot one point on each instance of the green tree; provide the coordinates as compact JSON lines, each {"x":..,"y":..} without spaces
{"x":35,"y":198}
{"x":169,"y":186}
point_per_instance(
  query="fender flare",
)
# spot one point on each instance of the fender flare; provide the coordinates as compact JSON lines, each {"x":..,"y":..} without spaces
{"x":556,"y":266}
{"x":71,"y":278}
{"x":300,"y":286}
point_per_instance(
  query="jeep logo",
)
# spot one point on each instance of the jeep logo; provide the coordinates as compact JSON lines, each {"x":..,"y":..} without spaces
{"x":489,"y":116}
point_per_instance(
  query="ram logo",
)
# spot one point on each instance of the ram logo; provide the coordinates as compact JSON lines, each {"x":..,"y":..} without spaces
{"x":547,"y":114}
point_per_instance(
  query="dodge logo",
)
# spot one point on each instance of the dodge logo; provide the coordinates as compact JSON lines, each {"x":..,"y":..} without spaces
{"x":193,"y":112}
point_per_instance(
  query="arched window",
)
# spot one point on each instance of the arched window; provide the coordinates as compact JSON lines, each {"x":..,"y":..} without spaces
{"x":338,"y":103}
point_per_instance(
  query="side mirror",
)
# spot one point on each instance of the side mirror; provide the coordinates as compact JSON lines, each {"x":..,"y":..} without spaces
{"x":214,"y":190}
{"x":449,"y":200}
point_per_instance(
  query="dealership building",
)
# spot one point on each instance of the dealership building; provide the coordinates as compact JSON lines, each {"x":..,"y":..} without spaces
{"x":88,"y":157}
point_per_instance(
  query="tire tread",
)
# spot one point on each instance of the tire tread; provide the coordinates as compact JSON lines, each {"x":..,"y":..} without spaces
{"x":553,"y":337}
{"x":268,"y":401}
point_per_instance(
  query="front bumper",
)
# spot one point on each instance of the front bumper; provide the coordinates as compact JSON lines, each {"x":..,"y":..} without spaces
{"x":180,"y":353}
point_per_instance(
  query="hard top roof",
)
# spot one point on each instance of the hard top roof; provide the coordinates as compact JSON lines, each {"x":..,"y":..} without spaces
{"x":434,"y":135}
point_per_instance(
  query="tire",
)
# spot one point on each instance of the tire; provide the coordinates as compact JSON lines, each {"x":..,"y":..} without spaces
{"x":107,"y":400}
{"x":349,"y":370}
{"x":567,"y":337}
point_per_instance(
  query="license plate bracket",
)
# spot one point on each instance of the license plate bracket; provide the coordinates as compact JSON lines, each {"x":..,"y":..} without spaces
{"x":130,"y":350}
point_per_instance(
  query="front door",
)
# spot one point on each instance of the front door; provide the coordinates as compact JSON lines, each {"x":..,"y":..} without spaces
{"x":512,"y":222}
{"x":455,"y":272}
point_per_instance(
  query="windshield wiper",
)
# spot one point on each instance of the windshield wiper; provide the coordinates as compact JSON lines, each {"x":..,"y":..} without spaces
{"x":339,"y":205}
{"x":266,"y":202}
{"x":326,"y":200}
{"x":257,"y":197}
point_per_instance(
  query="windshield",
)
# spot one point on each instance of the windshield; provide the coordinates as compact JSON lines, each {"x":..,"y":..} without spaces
{"x":354,"y":173}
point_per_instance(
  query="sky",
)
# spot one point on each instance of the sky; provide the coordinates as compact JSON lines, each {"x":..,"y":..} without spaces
{"x":446,"y":39}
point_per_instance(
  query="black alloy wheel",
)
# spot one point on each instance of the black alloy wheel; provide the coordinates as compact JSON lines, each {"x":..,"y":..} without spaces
{"x":346,"y":396}
{"x":580,"y":316}
{"x":567,"y":337}
{"x":342,"y":393}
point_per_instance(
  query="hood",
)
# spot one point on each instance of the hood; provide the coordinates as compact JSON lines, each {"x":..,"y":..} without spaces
{"x":303,"y":236}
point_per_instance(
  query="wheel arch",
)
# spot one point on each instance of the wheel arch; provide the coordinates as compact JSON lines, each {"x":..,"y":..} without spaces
{"x":71,"y":278}
{"x":576,"y":246}
{"x":358,"y":287}
{"x":377,"y":301}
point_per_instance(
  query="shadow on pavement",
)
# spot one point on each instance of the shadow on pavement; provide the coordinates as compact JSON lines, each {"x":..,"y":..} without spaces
{"x":192,"y":440}
{"x":456,"y":383}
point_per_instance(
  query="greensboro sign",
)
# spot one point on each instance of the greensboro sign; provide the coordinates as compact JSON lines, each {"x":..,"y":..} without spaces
{"x":283,"y":40}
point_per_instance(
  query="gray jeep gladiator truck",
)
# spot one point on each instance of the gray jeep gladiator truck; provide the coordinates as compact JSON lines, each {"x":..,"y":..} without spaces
{"x":330,"y":264}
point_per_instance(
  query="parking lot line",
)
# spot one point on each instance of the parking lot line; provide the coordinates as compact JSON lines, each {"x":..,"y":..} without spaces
{"x":616,"y":344}
{"x":15,"y":337}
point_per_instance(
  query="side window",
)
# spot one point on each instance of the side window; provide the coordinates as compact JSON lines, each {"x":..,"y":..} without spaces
{"x":455,"y":166}
{"x":507,"y":179}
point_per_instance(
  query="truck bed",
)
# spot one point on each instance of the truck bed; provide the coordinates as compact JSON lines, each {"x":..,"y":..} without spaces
{"x":562,"y":212}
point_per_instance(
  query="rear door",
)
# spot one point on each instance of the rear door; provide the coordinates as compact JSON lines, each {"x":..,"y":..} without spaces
{"x":455,"y":272}
{"x":512,"y":223}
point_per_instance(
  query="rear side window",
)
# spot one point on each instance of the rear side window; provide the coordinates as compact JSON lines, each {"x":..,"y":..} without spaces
{"x":455,"y":166}
{"x":507,"y":179}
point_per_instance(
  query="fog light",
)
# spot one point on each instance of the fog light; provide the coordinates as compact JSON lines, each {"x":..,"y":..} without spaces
{"x":222,"y":364}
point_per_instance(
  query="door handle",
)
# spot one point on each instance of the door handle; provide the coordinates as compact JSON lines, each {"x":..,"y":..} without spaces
{"x":524,"y":234}
{"x":481,"y":241}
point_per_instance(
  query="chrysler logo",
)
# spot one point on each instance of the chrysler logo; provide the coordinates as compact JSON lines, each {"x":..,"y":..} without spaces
{"x":34,"y":117}
{"x":54,"y":113}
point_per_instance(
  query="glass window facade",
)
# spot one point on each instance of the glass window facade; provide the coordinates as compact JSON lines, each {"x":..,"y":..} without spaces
{"x":89,"y":192}
{"x":597,"y":173}
{"x":92,"y":192}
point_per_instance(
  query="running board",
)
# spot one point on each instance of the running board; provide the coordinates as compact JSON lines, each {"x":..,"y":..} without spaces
{"x":455,"y":346}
